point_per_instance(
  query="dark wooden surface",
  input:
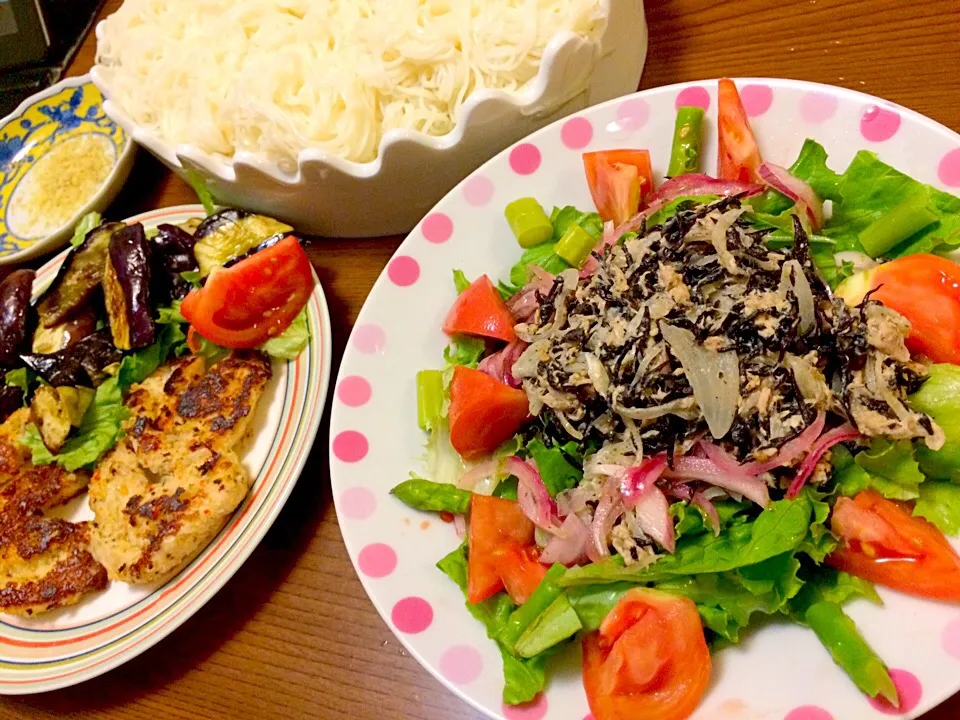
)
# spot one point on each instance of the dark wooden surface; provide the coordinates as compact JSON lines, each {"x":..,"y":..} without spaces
{"x":292,"y":634}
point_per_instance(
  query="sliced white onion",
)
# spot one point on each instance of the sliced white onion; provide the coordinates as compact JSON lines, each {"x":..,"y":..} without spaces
{"x":800,"y":192}
{"x":860,"y":261}
{"x":703,"y":502}
{"x":653,"y":515}
{"x":793,"y":278}
{"x":714,"y":377}
{"x":569,"y":546}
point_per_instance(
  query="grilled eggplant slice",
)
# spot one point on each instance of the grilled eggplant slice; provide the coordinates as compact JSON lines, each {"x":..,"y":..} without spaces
{"x":67,"y":333}
{"x":126,"y":288}
{"x":269,"y":242}
{"x":230,"y":233}
{"x":171,"y":254}
{"x":78,"y":278}
{"x":80,"y":364}
{"x":15,"y":312}
{"x":56,"y":411}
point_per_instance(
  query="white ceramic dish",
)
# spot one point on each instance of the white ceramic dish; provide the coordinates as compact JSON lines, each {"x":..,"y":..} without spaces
{"x":67,"y":646}
{"x":326,"y":195}
{"x":62,"y":113}
{"x":779,"y":672}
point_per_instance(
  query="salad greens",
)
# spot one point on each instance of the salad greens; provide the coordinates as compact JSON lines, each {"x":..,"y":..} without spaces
{"x":760,"y":562}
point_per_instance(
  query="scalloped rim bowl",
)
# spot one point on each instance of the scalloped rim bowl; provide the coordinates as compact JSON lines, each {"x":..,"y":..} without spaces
{"x":574,"y":73}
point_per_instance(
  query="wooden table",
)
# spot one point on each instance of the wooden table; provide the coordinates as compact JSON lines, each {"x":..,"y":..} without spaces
{"x":293,"y":634}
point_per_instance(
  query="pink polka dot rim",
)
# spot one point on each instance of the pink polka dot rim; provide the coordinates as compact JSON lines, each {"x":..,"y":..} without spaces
{"x":461,"y":664}
{"x":437,"y":228}
{"x":403,"y":271}
{"x":632,"y":114}
{"x":369,"y":339}
{"x":357,"y":503}
{"x":878,"y":124}
{"x":756,"y":99}
{"x":350,"y":446}
{"x":536,"y":709}
{"x":948,"y":171}
{"x":695,"y":96}
{"x":808,"y":712}
{"x":354,"y":391}
{"x":377,"y":560}
{"x":478,"y":191}
{"x":908,"y":688}
{"x":818,"y":107}
{"x":576,"y":133}
{"x":950,"y":639}
{"x":525,"y":159}
{"x":412,"y":615}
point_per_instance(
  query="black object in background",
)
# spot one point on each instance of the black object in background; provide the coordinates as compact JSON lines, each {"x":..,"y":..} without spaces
{"x":37,"y":40}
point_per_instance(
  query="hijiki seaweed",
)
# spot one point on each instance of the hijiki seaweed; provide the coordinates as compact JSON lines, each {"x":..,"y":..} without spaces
{"x":696,"y":329}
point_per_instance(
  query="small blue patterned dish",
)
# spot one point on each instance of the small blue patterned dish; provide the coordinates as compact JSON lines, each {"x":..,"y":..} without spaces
{"x":60,"y":158}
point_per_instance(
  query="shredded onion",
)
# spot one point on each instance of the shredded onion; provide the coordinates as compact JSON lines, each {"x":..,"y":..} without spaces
{"x":569,"y":546}
{"x":794,"y":188}
{"x":691,"y":468}
{"x":499,"y":366}
{"x":460,"y":525}
{"x":608,"y":510}
{"x":860,"y":261}
{"x":653,"y":515}
{"x":714,"y":377}
{"x":532,"y":494}
{"x":635,"y":481}
{"x":827,"y":440}
{"x":793,"y":278}
{"x":477,"y":473}
{"x":701,"y":501}
{"x":789,"y":450}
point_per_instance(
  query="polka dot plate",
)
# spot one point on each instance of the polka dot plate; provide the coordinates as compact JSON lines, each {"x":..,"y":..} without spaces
{"x":778,"y":672}
{"x":105,"y":629}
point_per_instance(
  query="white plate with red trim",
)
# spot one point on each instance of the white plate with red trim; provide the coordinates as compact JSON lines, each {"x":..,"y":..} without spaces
{"x":779,"y":672}
{"x":67,"y":646}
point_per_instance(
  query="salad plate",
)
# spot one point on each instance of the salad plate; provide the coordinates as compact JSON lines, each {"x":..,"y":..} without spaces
{"x":69,"y":645}
{"x":778,"y":670}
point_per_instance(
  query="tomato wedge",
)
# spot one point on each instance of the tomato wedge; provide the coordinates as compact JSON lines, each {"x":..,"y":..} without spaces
{"x":739,"y":155}
{"x":883,"y":543}
{"x":479,"y":310}
{"x":521,"y":571}
{"x":648,"y":660}
{"x":925,"y":289}
{"x":484,"y":413}
{"x":246,"y":304}
{"x":496,"y":526}
{"x":618,"y":180}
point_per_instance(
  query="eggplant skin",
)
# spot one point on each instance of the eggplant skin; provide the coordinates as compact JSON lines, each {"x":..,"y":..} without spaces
{"x":229,"y":234}
{"x":171,"y":254}
{"x":78,"y":277}
{"x":69,"y":332}
{"x":11,"y":400}
{"x":126,"y":289}
{"x":80,"y":364}
{"x":15,"y":292}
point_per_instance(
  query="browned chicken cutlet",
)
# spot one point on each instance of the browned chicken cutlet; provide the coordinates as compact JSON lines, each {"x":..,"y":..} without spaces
{"x":45,"y":563}
{"x":170,"y":485}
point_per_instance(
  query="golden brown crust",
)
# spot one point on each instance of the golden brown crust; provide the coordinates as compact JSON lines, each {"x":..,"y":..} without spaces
{"x":169,"y":486}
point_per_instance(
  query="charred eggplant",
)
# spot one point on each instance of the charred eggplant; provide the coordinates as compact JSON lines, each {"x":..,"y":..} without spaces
{"x":269,"y":242}
{"x":230,"y":233}
{"x":80,"y":364}
{"x":126,"y":288}
{"x":15,"y":293}
{"x":171,"y":254}
{"x":69,"y":332}
{"x":78,"y":278}
{"x":56,"y":411}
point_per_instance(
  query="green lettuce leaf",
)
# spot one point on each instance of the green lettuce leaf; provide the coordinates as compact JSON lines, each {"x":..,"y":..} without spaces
{"x":890,"y":468}
{"x":939,"y":397}
{"x":460,"y":281}
{"x":87,"y":223}
{"x":101,"y":426}
{"x":464,"y":350}
{"x":542,"y":256}
{"x":563,"y":218}
{"x":940,"y":504}
{"x":523,"y":678}
{"x":781,"y":528}
{"x":22,"y":378}
{"x":556,"y":471}
{"x":292,"y":341}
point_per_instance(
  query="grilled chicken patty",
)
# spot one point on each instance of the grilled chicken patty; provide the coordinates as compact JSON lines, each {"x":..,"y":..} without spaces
{"x":45,"y":563}
{"x":171,"y":483}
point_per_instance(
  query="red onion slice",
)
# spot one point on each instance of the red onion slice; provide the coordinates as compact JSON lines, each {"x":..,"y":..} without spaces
{"x":697,"y":184}
{"x":608,"y":510}
{"x":790,"y":450}
{"x":499,"y":366}
{"x":800,"y":192}
{"x":827,"y":440}
{"x":532,"y":494}
{"x":653,"y":517}
{"x":477,"y":473}
{"x":569,"y":546}
{"x":691,"y":468}
{"x":635,"y":481}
